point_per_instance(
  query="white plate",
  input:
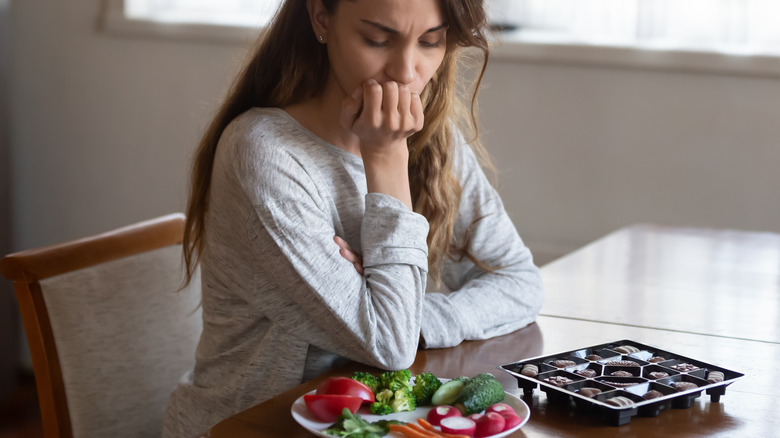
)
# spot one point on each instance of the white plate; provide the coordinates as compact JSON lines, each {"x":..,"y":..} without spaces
{"x":316,"y":426}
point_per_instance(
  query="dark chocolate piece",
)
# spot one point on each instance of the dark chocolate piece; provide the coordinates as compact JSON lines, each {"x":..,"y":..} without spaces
{"x":590,"y":392}
{"x":587,"y":372}
{"x":626,"y":349}
{"x":656,"y":359}
{"x":593,"y":357}
{"x":620,"y":384}
{"x":621,"y":373}
{"x":559,"y":381}
{"x":685,"y":367}
{"x":649,"y":395}
{"x":562,"y":363}
{"x":623,"y":363}
{"x":658,"y":375}
{"x":684,"y":386}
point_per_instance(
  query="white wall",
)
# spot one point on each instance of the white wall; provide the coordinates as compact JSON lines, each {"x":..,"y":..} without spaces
{"x":584,"y":151}
{"x":103,"y":128}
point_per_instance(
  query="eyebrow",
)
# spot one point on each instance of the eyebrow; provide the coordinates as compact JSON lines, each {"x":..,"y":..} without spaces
{"x":392,"y":31}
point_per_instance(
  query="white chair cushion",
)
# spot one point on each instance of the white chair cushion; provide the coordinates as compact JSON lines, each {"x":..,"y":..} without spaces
{"x":124,"y":336}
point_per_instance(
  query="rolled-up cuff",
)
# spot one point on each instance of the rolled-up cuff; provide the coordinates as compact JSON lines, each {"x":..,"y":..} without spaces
{"x":392,"y":234}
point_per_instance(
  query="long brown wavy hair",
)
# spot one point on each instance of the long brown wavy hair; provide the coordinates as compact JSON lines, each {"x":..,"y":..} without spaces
{"x":286,"y":69}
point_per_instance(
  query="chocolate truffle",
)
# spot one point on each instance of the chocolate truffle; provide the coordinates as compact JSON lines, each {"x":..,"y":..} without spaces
{"x":623,"y":363}
{"x":559,"y":381}
{"x":587,"y":372}
{"x":684,"y":367}
{"x":530,"y":370}
{"x":593,"y":357}
{"x":715,"y":376}
{"x":619,"y":401}
{"x":658,"y":375}
{"x":649,"y":395}
{"x":590,"y":392}
{"x":562,"y":363}
{"x":656,"y":359}
{"x":684,"y":386}
{"x":621,"y":373}
{"x":626,"y":349}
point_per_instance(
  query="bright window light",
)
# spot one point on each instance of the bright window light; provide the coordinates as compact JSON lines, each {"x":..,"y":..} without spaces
{"x":247,"y":13}
{"x":738,"y":26}
{"x":728,"y":25}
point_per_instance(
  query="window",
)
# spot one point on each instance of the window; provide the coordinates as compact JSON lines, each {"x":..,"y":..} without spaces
{"x":248,"y":13}
{"x":731,"y":26}
{"x":727,"y":36}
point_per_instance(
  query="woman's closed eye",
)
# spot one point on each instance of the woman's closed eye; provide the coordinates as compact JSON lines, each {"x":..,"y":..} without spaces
{"x":385,"y":43}
{"x":375,"y":43}
{"x":431,"y":44}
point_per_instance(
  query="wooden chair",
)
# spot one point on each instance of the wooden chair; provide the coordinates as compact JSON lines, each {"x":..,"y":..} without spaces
{"x":110,"y":333}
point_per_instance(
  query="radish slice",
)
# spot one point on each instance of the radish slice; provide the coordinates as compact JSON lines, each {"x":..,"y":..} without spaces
{"x":475,"y":417}
{"x":510,"y":420}
{"x":438,"y":413}
{"x":500,"y":408}
{"x":458,"y":426}
{"x":490,"y":424}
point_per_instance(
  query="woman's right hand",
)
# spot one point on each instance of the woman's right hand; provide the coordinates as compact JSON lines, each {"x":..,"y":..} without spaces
{"x":383,"y":116}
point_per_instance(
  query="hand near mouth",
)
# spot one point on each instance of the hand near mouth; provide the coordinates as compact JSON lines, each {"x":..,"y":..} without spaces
{"x":383,"y":116}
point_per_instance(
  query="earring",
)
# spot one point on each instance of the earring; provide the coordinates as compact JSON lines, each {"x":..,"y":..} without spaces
{"x":322,"y":40}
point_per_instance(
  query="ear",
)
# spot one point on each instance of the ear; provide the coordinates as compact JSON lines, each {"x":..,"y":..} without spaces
{"x":319,"y":19}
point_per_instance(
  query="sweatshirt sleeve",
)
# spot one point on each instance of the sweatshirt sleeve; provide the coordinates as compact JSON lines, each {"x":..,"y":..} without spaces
{"x":309,"y":289}
{"x":482,"y":304}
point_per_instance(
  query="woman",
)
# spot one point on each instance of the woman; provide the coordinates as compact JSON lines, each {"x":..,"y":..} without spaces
{"x":332,"y":182}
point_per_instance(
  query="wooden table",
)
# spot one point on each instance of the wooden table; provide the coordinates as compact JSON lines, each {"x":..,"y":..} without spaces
{"x":714,"y":282}
{"x":749,"y":407}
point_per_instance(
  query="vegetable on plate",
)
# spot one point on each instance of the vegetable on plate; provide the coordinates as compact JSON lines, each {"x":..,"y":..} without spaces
{"x":425,"y":385}
{"x":346,"y":386}
{"x":328,"y":407}
{"x":510,"y":416}
{"x":458,"y":425}
{"x":489,"y":424}
{"x":448,"y":392}
{"x":439,"y":413}
{"x":479,"y":393}
{"x":354,"y":426}
{"x":367,"y":379}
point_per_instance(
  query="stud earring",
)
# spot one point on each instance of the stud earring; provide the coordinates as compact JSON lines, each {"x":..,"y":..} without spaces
{"x":322,"y":40}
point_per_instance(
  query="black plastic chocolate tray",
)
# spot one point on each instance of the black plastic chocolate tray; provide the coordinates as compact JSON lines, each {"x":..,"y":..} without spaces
{"x":633,"y":386}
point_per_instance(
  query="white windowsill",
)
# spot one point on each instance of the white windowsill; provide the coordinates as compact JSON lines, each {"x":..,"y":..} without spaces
{"x":115,"y":23}
{"x":512,"y":47}
{"x":519,"y":47}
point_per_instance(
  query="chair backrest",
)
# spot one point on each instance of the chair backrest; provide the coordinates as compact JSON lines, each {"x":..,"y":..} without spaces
{"x":110,"y":333}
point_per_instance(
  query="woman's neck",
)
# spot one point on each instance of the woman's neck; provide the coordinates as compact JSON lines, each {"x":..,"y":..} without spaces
{"x":321,"y":115}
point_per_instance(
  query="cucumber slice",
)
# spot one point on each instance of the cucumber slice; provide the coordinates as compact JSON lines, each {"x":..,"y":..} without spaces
{"x":449,"y":391}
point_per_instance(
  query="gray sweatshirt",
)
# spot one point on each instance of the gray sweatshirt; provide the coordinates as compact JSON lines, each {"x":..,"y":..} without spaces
{"x":280,"y":304}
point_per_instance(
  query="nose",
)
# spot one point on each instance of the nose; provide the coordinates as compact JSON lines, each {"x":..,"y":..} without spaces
{"x":401,"y":66}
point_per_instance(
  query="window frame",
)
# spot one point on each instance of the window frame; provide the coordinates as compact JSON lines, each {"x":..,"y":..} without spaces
{"x":507,"y":47}
{"x":114,"y":22}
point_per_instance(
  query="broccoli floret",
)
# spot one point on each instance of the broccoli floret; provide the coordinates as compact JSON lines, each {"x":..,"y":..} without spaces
{"x":403,"y":400}
{"x":384,"y":396}
{"x":380,"y":408}
{"x":396,"y":380}
{"x":368,"y":379}
{"x":425,"y":384}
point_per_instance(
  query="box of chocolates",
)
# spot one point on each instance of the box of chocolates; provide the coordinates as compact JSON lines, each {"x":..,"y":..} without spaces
{"x":622,"y":379}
